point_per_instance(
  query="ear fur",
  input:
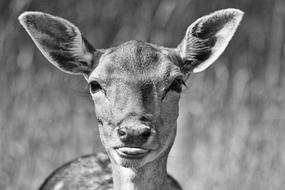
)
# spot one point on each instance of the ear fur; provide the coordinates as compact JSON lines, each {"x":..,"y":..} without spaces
{"x":59,"y":41}
{"x":207,"y":38}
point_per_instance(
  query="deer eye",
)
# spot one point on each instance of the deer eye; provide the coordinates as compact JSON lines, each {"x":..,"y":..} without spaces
{"x":94,"y":87}
{"x":175,"y":86}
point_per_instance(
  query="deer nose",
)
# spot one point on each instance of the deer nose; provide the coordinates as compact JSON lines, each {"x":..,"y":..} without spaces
{"x":134,"y":135}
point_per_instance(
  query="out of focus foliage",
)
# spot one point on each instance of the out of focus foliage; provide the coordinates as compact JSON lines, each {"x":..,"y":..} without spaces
{"x":232,"y":122}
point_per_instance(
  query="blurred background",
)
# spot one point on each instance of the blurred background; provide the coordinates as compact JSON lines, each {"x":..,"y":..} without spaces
{"x":231,"y":133}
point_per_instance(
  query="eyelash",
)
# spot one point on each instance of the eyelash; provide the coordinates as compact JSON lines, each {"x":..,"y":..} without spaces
{"x":176,"y":86}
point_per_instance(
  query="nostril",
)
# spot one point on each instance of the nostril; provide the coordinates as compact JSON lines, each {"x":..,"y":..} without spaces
{"x":125,"y":135}
{"x":146,"y":133}
{"x":122,"y":132}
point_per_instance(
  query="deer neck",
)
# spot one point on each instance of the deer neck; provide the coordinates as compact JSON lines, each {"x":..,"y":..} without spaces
{"x":152,"y":176}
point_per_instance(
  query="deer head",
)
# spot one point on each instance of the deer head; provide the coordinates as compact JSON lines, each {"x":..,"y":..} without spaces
{"x":135,"y":86}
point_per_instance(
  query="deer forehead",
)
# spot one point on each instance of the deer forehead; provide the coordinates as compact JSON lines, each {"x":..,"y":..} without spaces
{"x":136,"y":62}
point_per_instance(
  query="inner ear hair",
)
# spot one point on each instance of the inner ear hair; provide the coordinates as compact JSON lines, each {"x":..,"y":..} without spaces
{"x":207,"y":38}
{"x":60,"y":41}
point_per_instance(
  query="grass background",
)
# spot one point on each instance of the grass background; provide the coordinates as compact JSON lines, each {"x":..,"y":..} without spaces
{"x":232,"y":120}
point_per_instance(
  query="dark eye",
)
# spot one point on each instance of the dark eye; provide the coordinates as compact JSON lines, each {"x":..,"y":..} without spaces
{"x":94,"y":87}
{"x":175,"y":86}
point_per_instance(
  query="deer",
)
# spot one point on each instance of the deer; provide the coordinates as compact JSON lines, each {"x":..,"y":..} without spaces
{"x":136,"y":87}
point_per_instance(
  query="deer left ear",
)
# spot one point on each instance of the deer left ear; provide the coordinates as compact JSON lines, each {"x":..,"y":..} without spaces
{"x":207,"y":38}
{"x":60,"y":42}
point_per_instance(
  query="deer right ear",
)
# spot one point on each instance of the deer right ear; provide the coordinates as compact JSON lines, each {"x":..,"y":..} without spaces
{"x":60,"y":42}
{"x":207,"y":38}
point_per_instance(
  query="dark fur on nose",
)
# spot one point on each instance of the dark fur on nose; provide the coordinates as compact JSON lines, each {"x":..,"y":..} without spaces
{"x":134,"y":135}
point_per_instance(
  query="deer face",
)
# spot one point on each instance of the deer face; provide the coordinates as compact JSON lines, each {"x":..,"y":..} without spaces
{"x":135,"y":86}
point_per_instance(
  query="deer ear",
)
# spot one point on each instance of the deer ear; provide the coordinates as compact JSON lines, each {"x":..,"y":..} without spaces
{"x":207,"y":38}
{"x":59,"y":41}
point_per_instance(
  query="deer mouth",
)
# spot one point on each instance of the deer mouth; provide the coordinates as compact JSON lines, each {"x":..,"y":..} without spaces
{"x":132,"y":153}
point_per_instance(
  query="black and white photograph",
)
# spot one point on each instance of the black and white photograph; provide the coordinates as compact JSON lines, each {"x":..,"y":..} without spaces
{"x":142,"y":94}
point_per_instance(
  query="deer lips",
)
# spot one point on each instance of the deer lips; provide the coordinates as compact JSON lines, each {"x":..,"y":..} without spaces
{"x":129,"y":152}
